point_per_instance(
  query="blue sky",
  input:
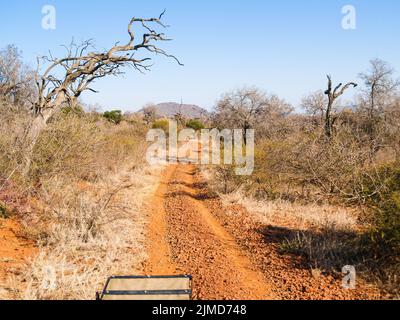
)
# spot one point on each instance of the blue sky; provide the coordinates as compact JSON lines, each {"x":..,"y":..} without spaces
{"x":284,"y":47}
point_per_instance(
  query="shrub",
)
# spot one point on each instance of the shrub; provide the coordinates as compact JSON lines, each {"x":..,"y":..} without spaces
{"x":86,"y":232}
{"x":162,"y":124}
{"x":195,"y":124}
{"x":306,"y":166}
{"x":82,"y":147}
{"x":78,"y":110}
{"x":14,"y":123}
{"x":114,"y":116}
{"x":124,"y":145}
{"x":69,"y":147}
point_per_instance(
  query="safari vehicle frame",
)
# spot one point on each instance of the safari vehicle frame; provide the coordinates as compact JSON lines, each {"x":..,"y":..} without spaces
{"x":176,"y":287}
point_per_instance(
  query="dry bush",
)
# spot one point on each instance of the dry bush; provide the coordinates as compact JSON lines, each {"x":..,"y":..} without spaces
{"x":308,"y":167}
{"x":330,"y":236}
{"x":90,"y":233}
{"x":14,"y":122}
{"x":303,"y":167}
{"x":69,"y":147}
{"x":77,"y":146}
{"x":93,"y":223}
{"x":125,"y":144}
{"x":224,"y":180}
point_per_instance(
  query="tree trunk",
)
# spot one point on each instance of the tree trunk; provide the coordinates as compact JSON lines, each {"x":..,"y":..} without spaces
{"x":328,"y":121}
{"x":37,"y":126}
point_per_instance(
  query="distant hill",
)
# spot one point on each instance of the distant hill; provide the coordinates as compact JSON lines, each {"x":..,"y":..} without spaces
{"x":170,"y":109}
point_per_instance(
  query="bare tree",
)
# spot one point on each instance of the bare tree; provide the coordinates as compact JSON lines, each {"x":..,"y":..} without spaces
{"x":149,"y":113}
{"x":380,"y":86}
{"x":333,"y":94}
{"x":16,"y":80}
{"x":249,"y":109}
{"x":315,"y":104}
{"x":179,"y":117}
{"x":378,"y":96}
{"x":65,"y":79}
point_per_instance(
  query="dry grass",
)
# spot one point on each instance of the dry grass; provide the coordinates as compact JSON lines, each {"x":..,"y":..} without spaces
{"x":299,"y":216}
{"x":94,"y":232}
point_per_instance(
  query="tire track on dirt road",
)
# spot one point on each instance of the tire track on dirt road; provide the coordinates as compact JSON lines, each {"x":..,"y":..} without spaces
{"x":185,"y":238}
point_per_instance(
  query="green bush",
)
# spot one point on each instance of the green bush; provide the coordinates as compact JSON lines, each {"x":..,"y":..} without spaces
{"x":114,"y":116}
{"x":162,"y":124}
{"x":76,"y":111}
{"x":195,"y":124}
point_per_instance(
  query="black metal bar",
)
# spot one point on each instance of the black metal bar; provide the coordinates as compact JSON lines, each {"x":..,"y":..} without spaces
{"x":104,"y":292}
{"x":147,"y":292}
{"x":152,"y":277}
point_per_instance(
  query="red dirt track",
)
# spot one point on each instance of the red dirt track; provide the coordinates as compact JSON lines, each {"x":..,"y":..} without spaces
{"x":229,"y":256}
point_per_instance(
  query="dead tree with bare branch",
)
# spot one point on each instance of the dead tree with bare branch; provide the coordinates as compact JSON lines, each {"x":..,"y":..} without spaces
{"x":333,"y":95}
{"x":65,"y":79}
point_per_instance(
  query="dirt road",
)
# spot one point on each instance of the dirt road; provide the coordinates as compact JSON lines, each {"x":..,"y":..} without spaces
{"x":229,"y":255}
{"x":187,"y":239}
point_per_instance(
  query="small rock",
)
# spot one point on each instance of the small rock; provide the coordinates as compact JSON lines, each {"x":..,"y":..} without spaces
{"x":316,"y":273}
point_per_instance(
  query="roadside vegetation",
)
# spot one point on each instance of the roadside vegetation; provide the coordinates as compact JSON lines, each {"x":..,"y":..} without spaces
{"x":331,"y":174}
{"x":87,"y":183}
